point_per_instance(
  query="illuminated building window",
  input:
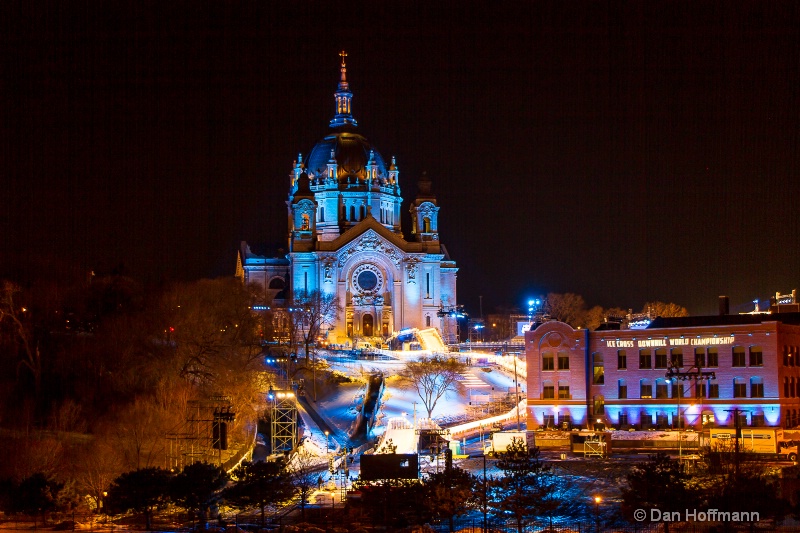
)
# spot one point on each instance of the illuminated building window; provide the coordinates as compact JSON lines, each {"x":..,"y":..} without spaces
{"x":563,"y":392}
{"x":548,"y":392}
{"x":565,"y":420}
{"x":756,"y":387}
{"x":738,"y":356}
{"x":549,"y":420}
{"x":756,"y":356}
{"x":699,"y":357}
{"x":598,"y":370}
{"x":622,"y":360}
{"x":599,"y":405}
{"x":622,"y":388}
{"x":677,"y":357}
{"x":645,"y":389}
{"x":661,"y":358}
{"x":645,"y":360}
{"x":661,"y":389}
{"x":713,"y":390}
{"x":548,"y":361}
{"x":563,"y":361}
{"x":713,"y":357}
{"x":739,"y":388}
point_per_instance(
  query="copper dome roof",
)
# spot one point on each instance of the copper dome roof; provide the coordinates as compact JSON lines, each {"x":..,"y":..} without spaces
{"x":351,"y":151}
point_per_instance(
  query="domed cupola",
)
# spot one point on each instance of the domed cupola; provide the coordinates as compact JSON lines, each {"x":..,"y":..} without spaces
{"x":351,"y":151}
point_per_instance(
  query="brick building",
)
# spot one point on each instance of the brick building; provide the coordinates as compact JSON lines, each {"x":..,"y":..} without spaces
{"x":689,"y":371}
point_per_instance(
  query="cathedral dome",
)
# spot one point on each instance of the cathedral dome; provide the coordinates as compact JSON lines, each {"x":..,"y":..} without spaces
{"x":352,"y":153}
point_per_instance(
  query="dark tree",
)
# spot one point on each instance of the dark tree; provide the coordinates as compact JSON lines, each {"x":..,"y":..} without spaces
{"x":260,"y":484}
{"x":450,"y":493}
{"x":39,"y":494}
{"x":657,"y":484}
{"x":197,"y":488}
{"x":526,"y":488}
{"x":141,"y":491}
{"x":393,"y":503}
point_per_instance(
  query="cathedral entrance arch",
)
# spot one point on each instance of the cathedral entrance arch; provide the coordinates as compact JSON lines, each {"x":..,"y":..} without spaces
{"x":368,"y":325}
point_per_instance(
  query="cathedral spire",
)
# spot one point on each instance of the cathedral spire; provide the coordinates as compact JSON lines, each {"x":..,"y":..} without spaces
{"x":343,"y":96}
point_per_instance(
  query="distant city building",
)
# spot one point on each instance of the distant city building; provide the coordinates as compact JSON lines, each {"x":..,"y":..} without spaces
{"x":345,"y":239}
{"x":688,"y":371}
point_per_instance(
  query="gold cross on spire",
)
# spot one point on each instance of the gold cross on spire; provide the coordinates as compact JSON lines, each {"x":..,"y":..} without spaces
{"x":343,"y":54}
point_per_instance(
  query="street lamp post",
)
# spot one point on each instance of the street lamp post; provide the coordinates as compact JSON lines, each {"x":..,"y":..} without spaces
{"x":516,"y":387}
{"x":327,"y":441}
{"x":597,"y":500}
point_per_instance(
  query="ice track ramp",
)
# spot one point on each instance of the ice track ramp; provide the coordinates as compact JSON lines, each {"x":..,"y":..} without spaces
{"x":430,"y":340}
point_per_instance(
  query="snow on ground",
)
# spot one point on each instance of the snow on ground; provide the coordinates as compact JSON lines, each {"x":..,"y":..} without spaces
{"x":341,"y":407}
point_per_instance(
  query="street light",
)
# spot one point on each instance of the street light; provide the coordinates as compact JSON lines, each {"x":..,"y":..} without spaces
{"x":597,"y":500}
{"x":327,"y":441}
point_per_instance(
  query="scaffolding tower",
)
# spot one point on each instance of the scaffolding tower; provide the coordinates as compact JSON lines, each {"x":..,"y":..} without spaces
{"x":283,"y":418}
{"x":202,"y":436}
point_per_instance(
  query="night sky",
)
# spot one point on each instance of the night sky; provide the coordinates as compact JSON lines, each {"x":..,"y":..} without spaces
{"x":625,"y":151}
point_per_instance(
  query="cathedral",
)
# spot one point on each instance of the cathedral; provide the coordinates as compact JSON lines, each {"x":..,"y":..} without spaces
{"x":346,"y":241}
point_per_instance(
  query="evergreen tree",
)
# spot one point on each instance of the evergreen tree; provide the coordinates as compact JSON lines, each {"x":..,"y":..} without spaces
{"x":198,"y":488}
{"x":451,"y":493}
{"x":260,"y":484}
{"x":657,"y":484}
{"x":526,"y":488}
{"x":141,"y":491}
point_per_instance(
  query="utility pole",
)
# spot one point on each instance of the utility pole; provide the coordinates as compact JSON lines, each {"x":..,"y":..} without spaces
{"x":737,"y":434}
{"x":516,"y":387}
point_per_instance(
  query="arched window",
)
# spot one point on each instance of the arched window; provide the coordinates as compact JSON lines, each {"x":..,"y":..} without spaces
{"x":363,"y":214}
{"x":322,"y":214}
{"x":276,"y":283}
{"x":598,"y":371}
{"x":699,"y":357}
{"x":426,"y":225}
{"x":739,"y":388}
{"x":661,"y":358}
{"x":756,"y":387}
{"x":622,"y":389}
{"x":738,"y":356}
{"x":756,"y":356}
{"x":676,"y":356}
{"x":305,"y":225}
{"x":548,"y":361}
{"x":427,"y":321}
{"x":661,"y":388}
{"x":645,"y":389}
{"x":352,"y":213}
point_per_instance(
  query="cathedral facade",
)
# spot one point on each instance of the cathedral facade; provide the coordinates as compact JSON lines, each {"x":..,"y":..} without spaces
{"x":346,"y":241}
